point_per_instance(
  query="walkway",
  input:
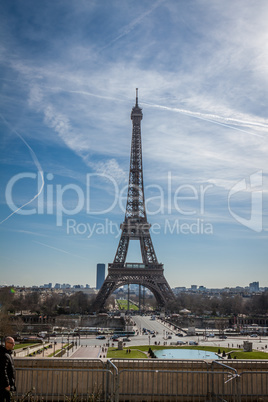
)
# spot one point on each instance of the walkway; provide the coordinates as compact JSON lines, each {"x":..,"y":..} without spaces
{"x":89,"y":352}
{"x":82,"y":352}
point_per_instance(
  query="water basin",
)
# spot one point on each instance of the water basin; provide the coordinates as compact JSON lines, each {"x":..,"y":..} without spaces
{"x":185,"y":354}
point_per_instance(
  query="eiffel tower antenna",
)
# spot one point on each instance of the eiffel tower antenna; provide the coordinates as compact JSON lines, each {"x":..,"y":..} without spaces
{"x":149,"y":273}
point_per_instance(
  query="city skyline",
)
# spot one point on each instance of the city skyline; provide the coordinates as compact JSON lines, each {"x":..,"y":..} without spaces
{"x":68,"y":77}
{"x":253,"y":287}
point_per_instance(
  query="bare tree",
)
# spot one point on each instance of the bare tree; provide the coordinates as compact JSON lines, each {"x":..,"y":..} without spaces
{"x":5,"y":325}
{"x":18,"y":324}
{"x":221,"y":325}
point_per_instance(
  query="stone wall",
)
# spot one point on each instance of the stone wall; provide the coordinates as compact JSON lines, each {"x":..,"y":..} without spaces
{"x":34,"y":326}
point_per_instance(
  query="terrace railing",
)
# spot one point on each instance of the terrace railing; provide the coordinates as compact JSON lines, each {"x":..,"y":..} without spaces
{"x":134,"y":380}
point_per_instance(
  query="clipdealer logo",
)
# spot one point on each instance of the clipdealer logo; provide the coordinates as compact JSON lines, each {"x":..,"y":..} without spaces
{"x":186,"y":200}
{"x":255,"y":188}
{"x":183,"y":201}
{"x":108,"y":227}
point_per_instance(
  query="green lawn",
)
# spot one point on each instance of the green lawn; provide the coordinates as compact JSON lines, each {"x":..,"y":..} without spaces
{"x":136,"y":352}
{"x":122,"y":354}
{"x":25,"y":345}
{"x":123,"y":305}
{"x":239,"y":354}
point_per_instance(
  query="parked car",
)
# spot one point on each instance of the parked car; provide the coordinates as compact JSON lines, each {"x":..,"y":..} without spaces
{"x":254,"y":336}
{"x":100,"y":337}
{"x":179,"y":334}
{"x":223,"y":337}
{"x":193,"y":343}
{"x":126,"y":340}
{"x":181,"y":343}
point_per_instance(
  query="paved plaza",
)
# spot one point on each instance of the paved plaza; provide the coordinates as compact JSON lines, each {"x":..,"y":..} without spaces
{"x":89,"y":352}
{"x":88,"y":347}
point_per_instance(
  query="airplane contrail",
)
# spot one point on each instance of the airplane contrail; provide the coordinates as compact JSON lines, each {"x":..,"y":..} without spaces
{"x":128,"y":28}
{"x":212,"y":118}
{"x":37,"y":164}
{"x":58,"y":249}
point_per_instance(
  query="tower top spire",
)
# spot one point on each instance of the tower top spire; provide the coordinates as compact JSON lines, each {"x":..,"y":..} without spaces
{"x":136,"y":110}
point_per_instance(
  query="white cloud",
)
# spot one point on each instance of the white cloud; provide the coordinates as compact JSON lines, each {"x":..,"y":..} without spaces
{"x":109,"y":168}
{"x":89,"y":117}
{"x":212,"y":137}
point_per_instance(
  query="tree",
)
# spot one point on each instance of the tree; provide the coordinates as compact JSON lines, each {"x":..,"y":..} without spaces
{"x":18,"y":304}
{"x":237,"y":305}
{"x":6,"y":298}
{"x":79,"y":303}
{"x":5,"y":325}
{"x":18,"y":324}
{"x":50,"y":304}
{"x":32,"y":302}
{"x":221,"y":325}
{"x":259,"y":304}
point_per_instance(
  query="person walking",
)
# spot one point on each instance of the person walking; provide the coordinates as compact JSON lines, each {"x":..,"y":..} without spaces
{"x":7,"y":370}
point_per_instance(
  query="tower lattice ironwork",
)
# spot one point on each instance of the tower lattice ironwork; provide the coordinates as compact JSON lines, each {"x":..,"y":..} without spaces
{"x":149,"y":273}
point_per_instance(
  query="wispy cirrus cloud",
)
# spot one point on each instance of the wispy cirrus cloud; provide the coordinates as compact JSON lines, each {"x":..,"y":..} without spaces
{"x":38,"y":166}
{"x":207,"y":151}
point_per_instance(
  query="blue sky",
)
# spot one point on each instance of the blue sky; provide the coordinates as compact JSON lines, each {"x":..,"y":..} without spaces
{"x":69,"y":70}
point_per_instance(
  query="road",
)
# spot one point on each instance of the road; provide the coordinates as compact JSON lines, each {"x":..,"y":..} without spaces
{"x":164,"y":331}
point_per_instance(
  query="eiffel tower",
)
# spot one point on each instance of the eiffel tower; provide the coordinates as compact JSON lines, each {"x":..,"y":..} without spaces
{"x":149,"y":273}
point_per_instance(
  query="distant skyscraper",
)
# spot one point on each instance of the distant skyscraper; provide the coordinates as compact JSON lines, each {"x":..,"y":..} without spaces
{"x":254,"y":287}
{"x":100,"y":275}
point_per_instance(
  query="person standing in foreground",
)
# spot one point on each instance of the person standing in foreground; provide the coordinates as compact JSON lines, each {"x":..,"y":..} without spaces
{"x":7,"y":370}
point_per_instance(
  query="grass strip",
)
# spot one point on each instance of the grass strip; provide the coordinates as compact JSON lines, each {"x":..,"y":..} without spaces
{"x":125,"y":354}
{"x":25,"y":345}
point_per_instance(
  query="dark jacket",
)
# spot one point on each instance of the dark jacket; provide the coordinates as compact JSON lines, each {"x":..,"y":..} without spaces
{"x":7,"y":369}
